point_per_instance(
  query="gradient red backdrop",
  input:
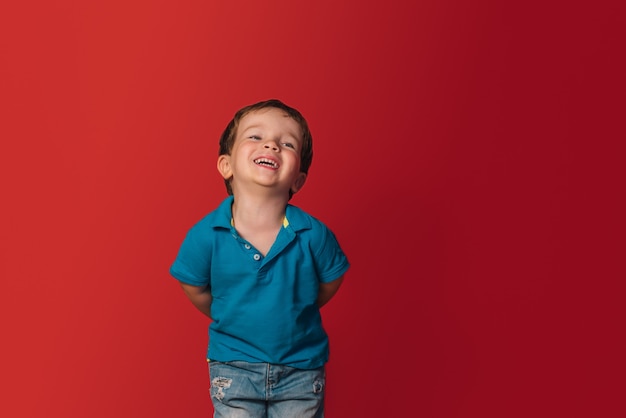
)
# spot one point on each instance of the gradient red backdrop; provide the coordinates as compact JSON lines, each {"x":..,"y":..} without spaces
{"x":467,"y":155}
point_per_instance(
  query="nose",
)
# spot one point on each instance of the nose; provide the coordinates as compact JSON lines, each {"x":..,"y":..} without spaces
{"x":271,"y":144}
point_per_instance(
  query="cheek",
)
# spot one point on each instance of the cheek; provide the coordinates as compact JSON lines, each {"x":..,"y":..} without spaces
{"x":294,"y":161}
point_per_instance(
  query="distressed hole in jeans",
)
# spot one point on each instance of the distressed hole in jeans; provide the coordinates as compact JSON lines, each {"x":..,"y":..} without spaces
{"x":318,"y":386}
{"x":221,"y":383}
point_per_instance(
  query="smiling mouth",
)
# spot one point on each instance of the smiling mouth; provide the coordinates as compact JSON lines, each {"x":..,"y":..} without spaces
{"x":266,"y":162}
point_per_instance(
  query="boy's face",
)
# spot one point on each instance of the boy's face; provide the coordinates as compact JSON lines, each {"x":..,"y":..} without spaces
{"x":266,"y":153}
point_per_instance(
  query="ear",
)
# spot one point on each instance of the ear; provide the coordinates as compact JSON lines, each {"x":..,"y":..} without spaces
{"x":223,"y":166}
{"x":298,"y":183}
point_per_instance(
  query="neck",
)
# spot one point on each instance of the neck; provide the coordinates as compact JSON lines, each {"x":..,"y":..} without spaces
{"x":258,"y":212}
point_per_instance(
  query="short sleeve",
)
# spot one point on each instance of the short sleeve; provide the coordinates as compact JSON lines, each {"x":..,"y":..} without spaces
{"x":330,"y":261}
{"x":193,"y":262}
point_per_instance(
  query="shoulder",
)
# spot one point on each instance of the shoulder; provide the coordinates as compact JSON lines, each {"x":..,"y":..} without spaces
{"x":329,"y":260}
{"x":203,"y":231}
{"x":220,"y":217}
{"x":300,"y":220}
{"x":308,"y":226}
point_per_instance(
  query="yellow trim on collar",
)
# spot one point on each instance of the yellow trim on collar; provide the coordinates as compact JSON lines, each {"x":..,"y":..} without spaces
{"x":285,"y":222}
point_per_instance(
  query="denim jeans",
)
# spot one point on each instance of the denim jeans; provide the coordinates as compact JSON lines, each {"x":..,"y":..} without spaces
{"x":259,"y":390}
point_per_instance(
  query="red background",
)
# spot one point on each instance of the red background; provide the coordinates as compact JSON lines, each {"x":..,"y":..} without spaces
{"x":468,"y":157}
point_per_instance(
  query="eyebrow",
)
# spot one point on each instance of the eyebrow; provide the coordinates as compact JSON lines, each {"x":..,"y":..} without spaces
{"x":260,"y":126}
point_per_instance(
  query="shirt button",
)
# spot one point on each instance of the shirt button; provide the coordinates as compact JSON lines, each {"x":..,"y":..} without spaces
{"x":247,"y":246}
{"x":257,"y":257}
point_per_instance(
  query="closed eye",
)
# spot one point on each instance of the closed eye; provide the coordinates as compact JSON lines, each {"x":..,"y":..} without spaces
{"x":255,"y":137}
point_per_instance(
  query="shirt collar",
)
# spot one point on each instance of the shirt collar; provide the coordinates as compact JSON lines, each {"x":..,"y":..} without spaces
{"x":295,"y":218}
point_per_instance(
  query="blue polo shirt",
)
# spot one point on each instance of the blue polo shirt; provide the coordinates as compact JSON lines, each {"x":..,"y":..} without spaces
{"x":264,"y":309}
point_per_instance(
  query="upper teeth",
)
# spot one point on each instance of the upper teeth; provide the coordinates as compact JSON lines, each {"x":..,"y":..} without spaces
{"x":265,"y":161}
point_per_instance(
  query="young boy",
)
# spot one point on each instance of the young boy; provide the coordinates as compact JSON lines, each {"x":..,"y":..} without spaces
{"x":261,"y":268}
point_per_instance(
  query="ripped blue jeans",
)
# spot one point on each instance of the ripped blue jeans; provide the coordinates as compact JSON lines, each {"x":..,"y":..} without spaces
{"x":260,"y":390}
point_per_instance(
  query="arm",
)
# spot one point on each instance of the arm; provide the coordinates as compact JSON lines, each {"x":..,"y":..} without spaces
{"x":327,"y":291}
{"x":199,"y":296}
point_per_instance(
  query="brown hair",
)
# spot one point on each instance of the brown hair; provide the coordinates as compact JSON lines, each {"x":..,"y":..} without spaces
{"x":227,"y":140}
